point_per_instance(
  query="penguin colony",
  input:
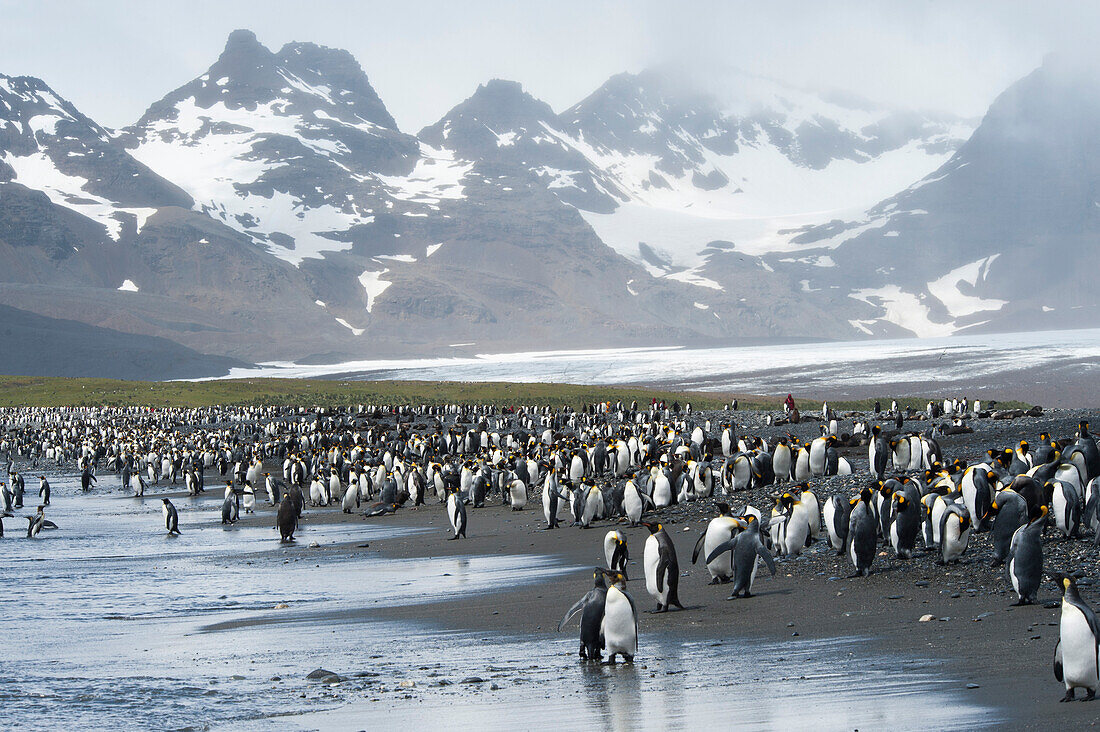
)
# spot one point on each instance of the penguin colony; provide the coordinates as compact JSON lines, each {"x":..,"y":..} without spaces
{"x":617,"y":464}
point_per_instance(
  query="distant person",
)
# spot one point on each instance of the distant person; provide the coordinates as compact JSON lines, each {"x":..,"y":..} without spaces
{"x":788,"y":404}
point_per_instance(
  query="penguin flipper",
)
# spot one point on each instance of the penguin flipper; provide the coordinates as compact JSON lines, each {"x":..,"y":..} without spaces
{"x":1058,"y":661}
{"x":767,"y":557}
{"x":721,"y":549}
{"x":662,"y":569}
{"x":698,"y":547}
{"x":574,"y":610}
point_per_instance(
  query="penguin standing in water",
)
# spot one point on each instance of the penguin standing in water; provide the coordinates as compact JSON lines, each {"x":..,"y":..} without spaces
{"x":862,"y":532}
{"x":86,"y":480}
{"x":34,"y":524}
{"x":591,"y":608}
{"x":171,"y":517}
{"x":456,"y":512}
{"x":662,"y":571}
{"x":286,"y":518}
{"x":1025,"y":563}
{"x":1076,"y":663}
{"x":620,"y":620}
{"x":44,"y":490}
{"x":615,"y":551}
{"x":231,"y":506}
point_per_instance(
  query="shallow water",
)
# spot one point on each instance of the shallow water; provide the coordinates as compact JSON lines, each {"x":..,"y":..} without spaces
{"x":673,"y":685}
{"x":109,"y":623}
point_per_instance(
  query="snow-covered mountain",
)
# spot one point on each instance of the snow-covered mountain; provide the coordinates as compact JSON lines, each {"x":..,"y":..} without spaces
{"x":271,"y":209}
{"x":89,"y":233}
{"x":1003,"y":237}
{"x":674,"y":179}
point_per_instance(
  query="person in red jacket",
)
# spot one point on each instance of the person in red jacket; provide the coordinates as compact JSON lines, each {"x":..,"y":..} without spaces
{"x":788,"y":403}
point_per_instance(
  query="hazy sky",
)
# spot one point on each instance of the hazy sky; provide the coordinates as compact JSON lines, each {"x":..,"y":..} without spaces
{"x":112,"y":58}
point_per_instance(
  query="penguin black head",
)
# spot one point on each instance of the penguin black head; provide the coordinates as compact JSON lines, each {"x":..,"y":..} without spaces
{"x":653,"y":528}
{"x":723,"y":508}
{"x":1067,"y":584}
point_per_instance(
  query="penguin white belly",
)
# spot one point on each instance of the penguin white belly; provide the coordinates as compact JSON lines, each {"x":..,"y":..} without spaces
{"x":817,"y":457}
{"x":955,"y":540}
{"x":1015,"y":579}
{"x":576,"y":469}
{"x":813,"y":512}
{"x":632,"y":504}
{"x":452,"y":513}
{"x":619,"y":626}
{"x":650,"y":559}
{"x":802,"y":465}
{"x":1078,"y":649}
{"x":609,"y":545}
{"x":517,"y":494}
{"x":916,"y":453}
{"x":719,"y":532}
{"x":794,"y":534}
{"x":662,"y":491}
{"x":937,"y":512}
{"x":1061,"y":515}
{"x":781,"y":464}
{"x":829,"y":512}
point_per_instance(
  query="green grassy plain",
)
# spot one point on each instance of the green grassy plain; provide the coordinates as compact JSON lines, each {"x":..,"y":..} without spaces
{"x":16,"y":391}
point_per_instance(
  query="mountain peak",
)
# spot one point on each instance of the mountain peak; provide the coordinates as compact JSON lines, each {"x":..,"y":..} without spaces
{"x":243,"y":42}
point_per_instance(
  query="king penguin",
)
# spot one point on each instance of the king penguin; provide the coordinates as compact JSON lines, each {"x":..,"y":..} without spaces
{"x":662,"y":571}
{"x":591,"y":608}
{"x":861,"y":534}
{"x":1025,"y":563}
{"x":456,"y":512}
{"x":615,"y":551}
{"x":171,"y":518}
{"x":1076,"y":662}
{"x":286,"y":519}
{"x":720,"y":530}
{"x":745,"y":548}
{"x":620,"y":620}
